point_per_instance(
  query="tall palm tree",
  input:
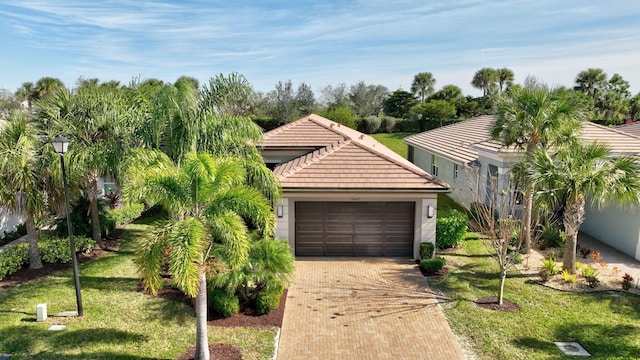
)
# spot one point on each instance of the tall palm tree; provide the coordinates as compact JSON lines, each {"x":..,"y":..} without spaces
{"x":579,"y":172}
{"x":21,"y":175}
{"x":99,"y":122}
{"x":485,"y":79}
{"x":46,"y":86}
{"x":210,"y":205}
{"x":532,"y":118}
{"x":591,"y":82}
{"x":26,"y":92}
{"x":505,"y":78}
{"x":422,"y":85}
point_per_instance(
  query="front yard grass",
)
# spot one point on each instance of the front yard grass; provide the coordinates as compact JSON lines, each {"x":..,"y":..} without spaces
{"x":119,"y":321}
{"x":606,"y":324}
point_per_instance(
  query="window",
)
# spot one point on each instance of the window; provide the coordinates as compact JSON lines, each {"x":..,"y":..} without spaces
{"x":455,"y":171}
{"x":434,"y":165}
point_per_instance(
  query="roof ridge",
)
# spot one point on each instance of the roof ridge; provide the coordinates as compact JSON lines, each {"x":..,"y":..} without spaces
{"x":280,"y":129}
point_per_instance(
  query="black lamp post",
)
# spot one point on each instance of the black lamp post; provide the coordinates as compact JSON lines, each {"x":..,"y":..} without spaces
{"x":61,"y":144}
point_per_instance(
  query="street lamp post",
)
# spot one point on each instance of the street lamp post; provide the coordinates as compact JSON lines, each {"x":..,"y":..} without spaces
{"x":61,"y":144}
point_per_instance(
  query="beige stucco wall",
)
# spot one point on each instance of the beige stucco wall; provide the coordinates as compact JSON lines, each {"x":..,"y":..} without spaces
{"x":424,"y":227}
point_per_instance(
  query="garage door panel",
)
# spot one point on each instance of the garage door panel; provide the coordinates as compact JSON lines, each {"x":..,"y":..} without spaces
{"x":354,"y":228}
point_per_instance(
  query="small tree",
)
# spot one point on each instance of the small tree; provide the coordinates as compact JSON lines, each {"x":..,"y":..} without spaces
{"x":495,"y":215}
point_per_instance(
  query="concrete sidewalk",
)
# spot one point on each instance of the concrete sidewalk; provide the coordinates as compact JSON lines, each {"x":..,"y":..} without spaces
{"x":363,"y":308}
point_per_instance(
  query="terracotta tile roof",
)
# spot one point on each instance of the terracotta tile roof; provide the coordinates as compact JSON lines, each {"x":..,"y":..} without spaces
{"x":351,"y":164}
{"x":456,"y":141}
{"x":344,"y":159}
{"x":632,"y":128}
{"x":461,"y":142}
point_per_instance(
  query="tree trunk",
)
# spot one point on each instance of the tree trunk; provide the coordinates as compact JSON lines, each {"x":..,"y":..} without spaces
{"x":202,"y":341}
{"x":93,"y":210}
{"x":503,"y":278}
{"x":573,"y":217}
{"x":525,"y":225}
{"x":35,"y":260}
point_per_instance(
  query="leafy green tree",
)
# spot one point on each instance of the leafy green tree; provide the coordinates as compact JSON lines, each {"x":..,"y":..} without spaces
{"x":342,"y":115}
{"x":449,"y":93}
{"x":367,"y":99}
{"x":283,"y":102}
{"x":532,"y":118}
{"x":634,"y":107}
{"x":305,"y":100}
{"x":399,"y":103}
{"x":580,"y":171}
{"x":433,"y":113}
{"x":210,"y":206}
{"x":485,"y":79}
{"x":422,"y":85}
{"x":335,"y":96}
{"x":7,"y":103}
{"x":22,"y":175}
{"x":613,"y":104}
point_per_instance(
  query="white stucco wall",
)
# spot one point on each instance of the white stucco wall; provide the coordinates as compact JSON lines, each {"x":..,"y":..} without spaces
{"x":424,"y":227}
{"x":9,"y":220}
{"x":616,"y":226}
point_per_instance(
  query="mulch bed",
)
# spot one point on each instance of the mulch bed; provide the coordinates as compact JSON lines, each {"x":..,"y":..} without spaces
{"x":491,"y":303}
{"x":218,"y":351}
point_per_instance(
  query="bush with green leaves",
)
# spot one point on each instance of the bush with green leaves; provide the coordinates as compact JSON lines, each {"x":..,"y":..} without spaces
{"x":432,"y":266}
{"x":223,"y":303}
{"x":270,"y":265}
{"x":551,"y":236}
{"x":426,"y":250}
{"x":53,"y":249}
{"x":450,"y":229}
{"x":590,"y":275}
{"x":372,"y":124}
{"x":268,"y":300}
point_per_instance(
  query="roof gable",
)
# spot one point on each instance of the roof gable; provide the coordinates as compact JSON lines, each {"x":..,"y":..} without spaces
{"x":310,"y":131}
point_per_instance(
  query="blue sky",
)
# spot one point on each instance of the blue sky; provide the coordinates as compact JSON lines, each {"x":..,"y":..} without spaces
{"x":318,"y":42}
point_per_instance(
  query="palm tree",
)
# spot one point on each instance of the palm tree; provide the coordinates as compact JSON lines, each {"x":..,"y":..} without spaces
{"x":505,"y":78}
{"x":485,"y":79}
{"x":99,"y":122}
{"x":46,"y":86}
{"x":422,"y":85}
{"x":579,"y":172}
{"x":210,"y":206}
{"x":532,"y":118}
{"x":26,"y":92}
{"x":591,"y":82}
{"x":21,"y":176}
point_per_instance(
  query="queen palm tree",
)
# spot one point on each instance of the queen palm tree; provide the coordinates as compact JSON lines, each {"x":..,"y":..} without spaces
{"x":21,"y":175}
{"x":210,"y":205}
{"x":579,"y":172}
{"x":532,"y":118}
{"x":422,"y":85}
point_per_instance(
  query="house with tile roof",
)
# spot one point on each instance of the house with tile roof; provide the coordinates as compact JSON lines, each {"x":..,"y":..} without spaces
{"x":346,"y":194}
{"x":457,"y":152}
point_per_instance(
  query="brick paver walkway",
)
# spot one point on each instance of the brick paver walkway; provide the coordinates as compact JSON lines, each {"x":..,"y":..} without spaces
{"x":363,"y":308}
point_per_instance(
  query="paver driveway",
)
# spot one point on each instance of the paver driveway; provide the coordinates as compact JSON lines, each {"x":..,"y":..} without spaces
{"x":363,"y":308}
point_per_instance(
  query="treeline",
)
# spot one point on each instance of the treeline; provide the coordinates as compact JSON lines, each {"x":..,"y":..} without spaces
{"x":371,"y":107}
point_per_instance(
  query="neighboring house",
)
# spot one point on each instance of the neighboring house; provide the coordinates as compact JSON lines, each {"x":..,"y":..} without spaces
{"x":345,"y":194}
{"x":456,"y":153}
{"x":632,"y":127}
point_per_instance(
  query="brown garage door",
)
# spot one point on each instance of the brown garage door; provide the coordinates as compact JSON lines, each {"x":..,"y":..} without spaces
{"x":354,"y":228}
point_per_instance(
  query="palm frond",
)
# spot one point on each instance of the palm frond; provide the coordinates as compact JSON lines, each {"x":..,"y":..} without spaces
{"x":229,"y":229}
{"x":150,"y":256}
{"x":186,"y":259}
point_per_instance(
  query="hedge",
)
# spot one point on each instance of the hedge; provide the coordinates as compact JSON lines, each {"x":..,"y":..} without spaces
{"x":268,"y":300}
{"x":53,"y":249}
{"x":223,"y":303}
{"x":450,"y":229}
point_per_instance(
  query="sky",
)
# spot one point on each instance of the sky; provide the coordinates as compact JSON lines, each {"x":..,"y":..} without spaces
{"x":320,"y":43}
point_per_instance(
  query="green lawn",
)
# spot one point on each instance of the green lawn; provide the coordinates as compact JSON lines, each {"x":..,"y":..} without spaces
{"x":394,"y":141}
{"x":607,"y":324}
{"x":119,"y":323}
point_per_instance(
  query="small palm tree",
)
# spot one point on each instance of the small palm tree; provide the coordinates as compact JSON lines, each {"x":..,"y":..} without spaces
{"x":579,"y":172}
{"x":21,"y":176}
{"x":209,"y":204}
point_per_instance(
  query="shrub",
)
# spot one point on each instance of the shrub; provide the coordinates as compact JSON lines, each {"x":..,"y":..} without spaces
{"x":596,"y":256}
{"x":55,"y":249}
{"x":372,"y":124}
{"x":518,"y":258}
{"x":590,"y":275}
{"x":579,"y":265}
{"x":13,"y":258}
{"x":267,"y":123}
{"x":388,"y":124}
{"x":552,"y":236}
{"x":223,"y":303}
{"x":569,"y":277}
{"x":432,"y":266}
{"x":627,"y":280}
{"x":426,"y":250}
{"x":450,"y":229}
{"x":550,"y":266}
{"x":406,"y":125}
{"x":268,"y":300}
